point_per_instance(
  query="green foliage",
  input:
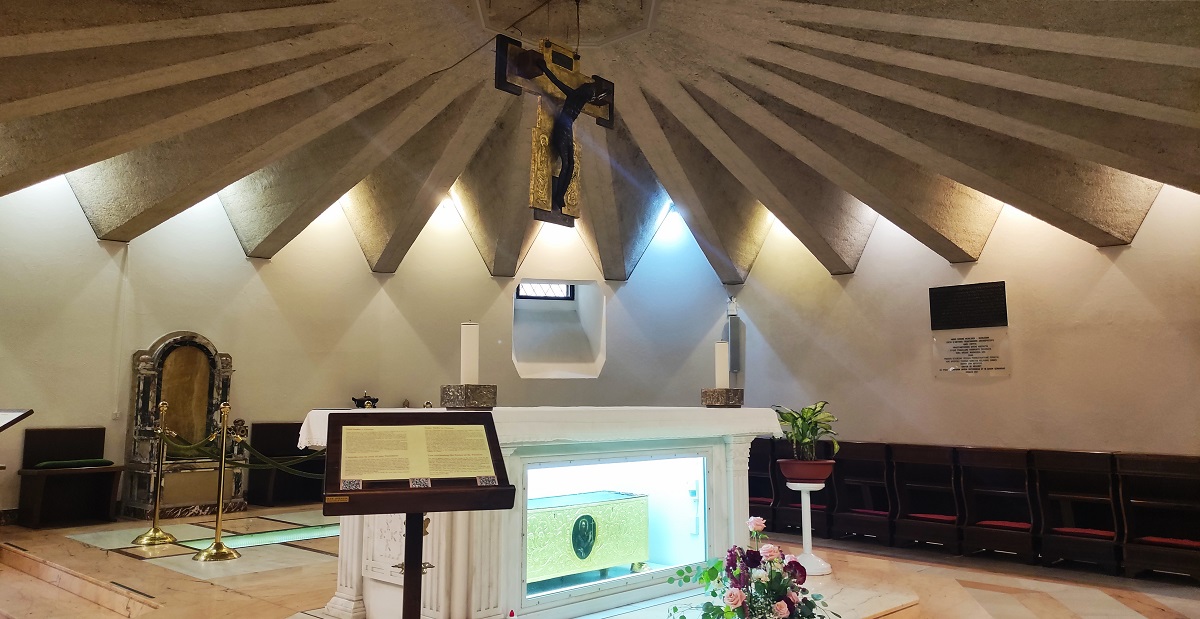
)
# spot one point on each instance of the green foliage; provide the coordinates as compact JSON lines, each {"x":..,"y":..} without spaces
{"x":805,"y":427}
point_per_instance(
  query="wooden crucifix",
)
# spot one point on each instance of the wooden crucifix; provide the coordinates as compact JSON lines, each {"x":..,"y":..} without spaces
{"x":552,"y":73}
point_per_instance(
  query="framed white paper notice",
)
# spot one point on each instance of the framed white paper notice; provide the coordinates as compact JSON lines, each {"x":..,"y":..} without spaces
{"x":971,"y":352}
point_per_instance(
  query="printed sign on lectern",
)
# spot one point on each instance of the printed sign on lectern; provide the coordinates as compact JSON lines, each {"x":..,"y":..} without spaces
{"x":392,"y":463}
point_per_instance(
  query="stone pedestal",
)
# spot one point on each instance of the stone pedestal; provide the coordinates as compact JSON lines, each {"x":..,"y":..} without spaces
{"x":813,"y":565}
{"x":723,"y":398}
{"x":473,"y":397}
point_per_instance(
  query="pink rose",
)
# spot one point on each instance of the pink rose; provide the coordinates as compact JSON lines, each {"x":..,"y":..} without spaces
{"x":781,"y":609}
{"x":756,"y":524}
{"x":770,"y":552}
{"x":734,"y":597}
{"x":794,"y":597}
{"x":789,"y":558}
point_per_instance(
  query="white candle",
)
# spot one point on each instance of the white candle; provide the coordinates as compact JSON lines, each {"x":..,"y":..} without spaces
{"x":469,"y":358}
{"x":722,"y":359}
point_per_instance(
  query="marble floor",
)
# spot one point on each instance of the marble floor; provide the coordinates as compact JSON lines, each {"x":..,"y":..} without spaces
{"x":94,"y":572}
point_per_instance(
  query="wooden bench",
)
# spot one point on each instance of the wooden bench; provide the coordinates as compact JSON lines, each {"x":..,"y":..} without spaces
{"x":862,"y":496}
{"x":1077,"y":497}
{"x":60,"y":496}
{"x":1160,"y":499}
{"x":927,"y":498}
{"x":996,"y":493}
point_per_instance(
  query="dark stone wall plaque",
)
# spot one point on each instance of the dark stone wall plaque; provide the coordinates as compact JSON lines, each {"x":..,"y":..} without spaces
{"x":970,"y":306}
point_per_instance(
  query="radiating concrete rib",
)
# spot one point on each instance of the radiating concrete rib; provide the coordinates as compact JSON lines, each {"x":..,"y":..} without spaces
{"x":816,"y":206}
{"x":1166,"y":151}
{"x":1166,"y":95}
{"x":493,"y":191}
{"x":1154,"y":22}
{"x":390,"y":207}
{"x":45,"y":90}
{"x":921,"y":154}
{"x":1032,"y":38}
{"x":38,"y":148}
{"x":622,"y":200}
{"x":741,"y":222}
{"x":120,"y":34}
{"x":699,"y":123}
{"x":669,"y":166}
{"x":312,"y":179}
{"x":1100,"y":199}
{"x":131,"y":193}
{"x":1153,"y":87}
{"x":951,"y":219}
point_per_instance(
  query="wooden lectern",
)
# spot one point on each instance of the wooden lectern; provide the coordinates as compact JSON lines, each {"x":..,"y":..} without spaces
{"x":10,"y":417}
{"x":413,"y":463}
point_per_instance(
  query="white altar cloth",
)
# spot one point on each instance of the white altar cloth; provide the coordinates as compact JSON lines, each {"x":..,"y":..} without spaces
{"x":590,"y":424}
{"x":476,"y":552}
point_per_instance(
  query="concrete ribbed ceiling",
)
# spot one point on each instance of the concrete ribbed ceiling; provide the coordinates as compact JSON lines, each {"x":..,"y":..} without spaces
{"x":826,"y":114}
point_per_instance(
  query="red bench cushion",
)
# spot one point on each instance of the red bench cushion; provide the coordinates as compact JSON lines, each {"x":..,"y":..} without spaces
{"x":760,"y":500}
{"x":1008,"y":525}
{"x":869,"y":512}
{"x":1078,"y":532}
{"x":816,"y":507}
{"x":1174,"y":542}
{"x":934,"y":517}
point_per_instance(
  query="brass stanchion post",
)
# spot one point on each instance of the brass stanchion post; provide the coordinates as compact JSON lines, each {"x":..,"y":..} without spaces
{"x":218,"y":551}
{"x":155,"y":535}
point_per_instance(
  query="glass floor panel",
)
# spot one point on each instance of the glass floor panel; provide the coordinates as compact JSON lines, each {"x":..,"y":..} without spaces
{"x":266,"y":538}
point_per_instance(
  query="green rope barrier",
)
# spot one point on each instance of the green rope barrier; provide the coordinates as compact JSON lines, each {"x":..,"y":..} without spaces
{"x":285,"y":466}
{"x":267,"y":462}
{"x":169,"y":438}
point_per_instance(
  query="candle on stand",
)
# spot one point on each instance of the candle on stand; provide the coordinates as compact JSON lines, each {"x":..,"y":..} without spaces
{"x":469,"y":358}
{"x":722,"y":359}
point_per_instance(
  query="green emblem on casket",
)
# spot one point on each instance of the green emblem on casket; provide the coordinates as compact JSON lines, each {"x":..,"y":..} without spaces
{"x":583,"y":536}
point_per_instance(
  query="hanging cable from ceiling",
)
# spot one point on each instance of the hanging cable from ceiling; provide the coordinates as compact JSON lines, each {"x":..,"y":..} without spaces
{"x":545,"y":3}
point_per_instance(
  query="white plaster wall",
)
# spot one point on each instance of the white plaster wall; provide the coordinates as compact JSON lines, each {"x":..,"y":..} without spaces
{"x":1106,"y":342}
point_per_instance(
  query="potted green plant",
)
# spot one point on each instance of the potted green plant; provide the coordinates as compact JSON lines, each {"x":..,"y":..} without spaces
{"x":804,"y":428}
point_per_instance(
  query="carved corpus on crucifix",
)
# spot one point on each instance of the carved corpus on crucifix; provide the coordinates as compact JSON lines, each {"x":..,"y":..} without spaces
{"x":552,"y":73}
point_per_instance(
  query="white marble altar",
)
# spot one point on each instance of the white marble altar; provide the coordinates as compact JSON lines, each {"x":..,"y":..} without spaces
{"x":479,"y":556}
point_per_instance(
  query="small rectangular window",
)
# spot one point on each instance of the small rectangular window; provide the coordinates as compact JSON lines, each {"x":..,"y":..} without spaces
{"x":548,"y":291}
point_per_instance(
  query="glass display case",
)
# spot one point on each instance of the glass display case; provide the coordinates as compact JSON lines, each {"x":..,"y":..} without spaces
{"x":598,"y":521}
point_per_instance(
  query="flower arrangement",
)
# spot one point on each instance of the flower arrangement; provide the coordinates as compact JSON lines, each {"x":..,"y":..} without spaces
{"x":757,"y":583}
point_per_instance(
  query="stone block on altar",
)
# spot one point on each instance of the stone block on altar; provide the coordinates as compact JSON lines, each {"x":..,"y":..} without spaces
{"x":469,"y":396}
{"x":722,"y":398}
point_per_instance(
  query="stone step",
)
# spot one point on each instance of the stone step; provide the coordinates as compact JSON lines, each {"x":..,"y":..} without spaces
{"x":24,"y":597}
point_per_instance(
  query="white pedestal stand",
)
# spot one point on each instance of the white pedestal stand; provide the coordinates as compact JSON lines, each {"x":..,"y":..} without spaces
{"x":814,"y":565}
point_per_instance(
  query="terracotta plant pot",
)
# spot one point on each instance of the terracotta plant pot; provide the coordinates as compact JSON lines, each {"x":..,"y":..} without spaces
{"x":805,"y":471}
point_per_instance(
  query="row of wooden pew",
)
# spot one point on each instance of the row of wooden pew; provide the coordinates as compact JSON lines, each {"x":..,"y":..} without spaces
{"x":1128,"y":513}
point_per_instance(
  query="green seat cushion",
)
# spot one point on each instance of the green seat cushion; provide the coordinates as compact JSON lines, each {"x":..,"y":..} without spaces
{"x":72,"y":464}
